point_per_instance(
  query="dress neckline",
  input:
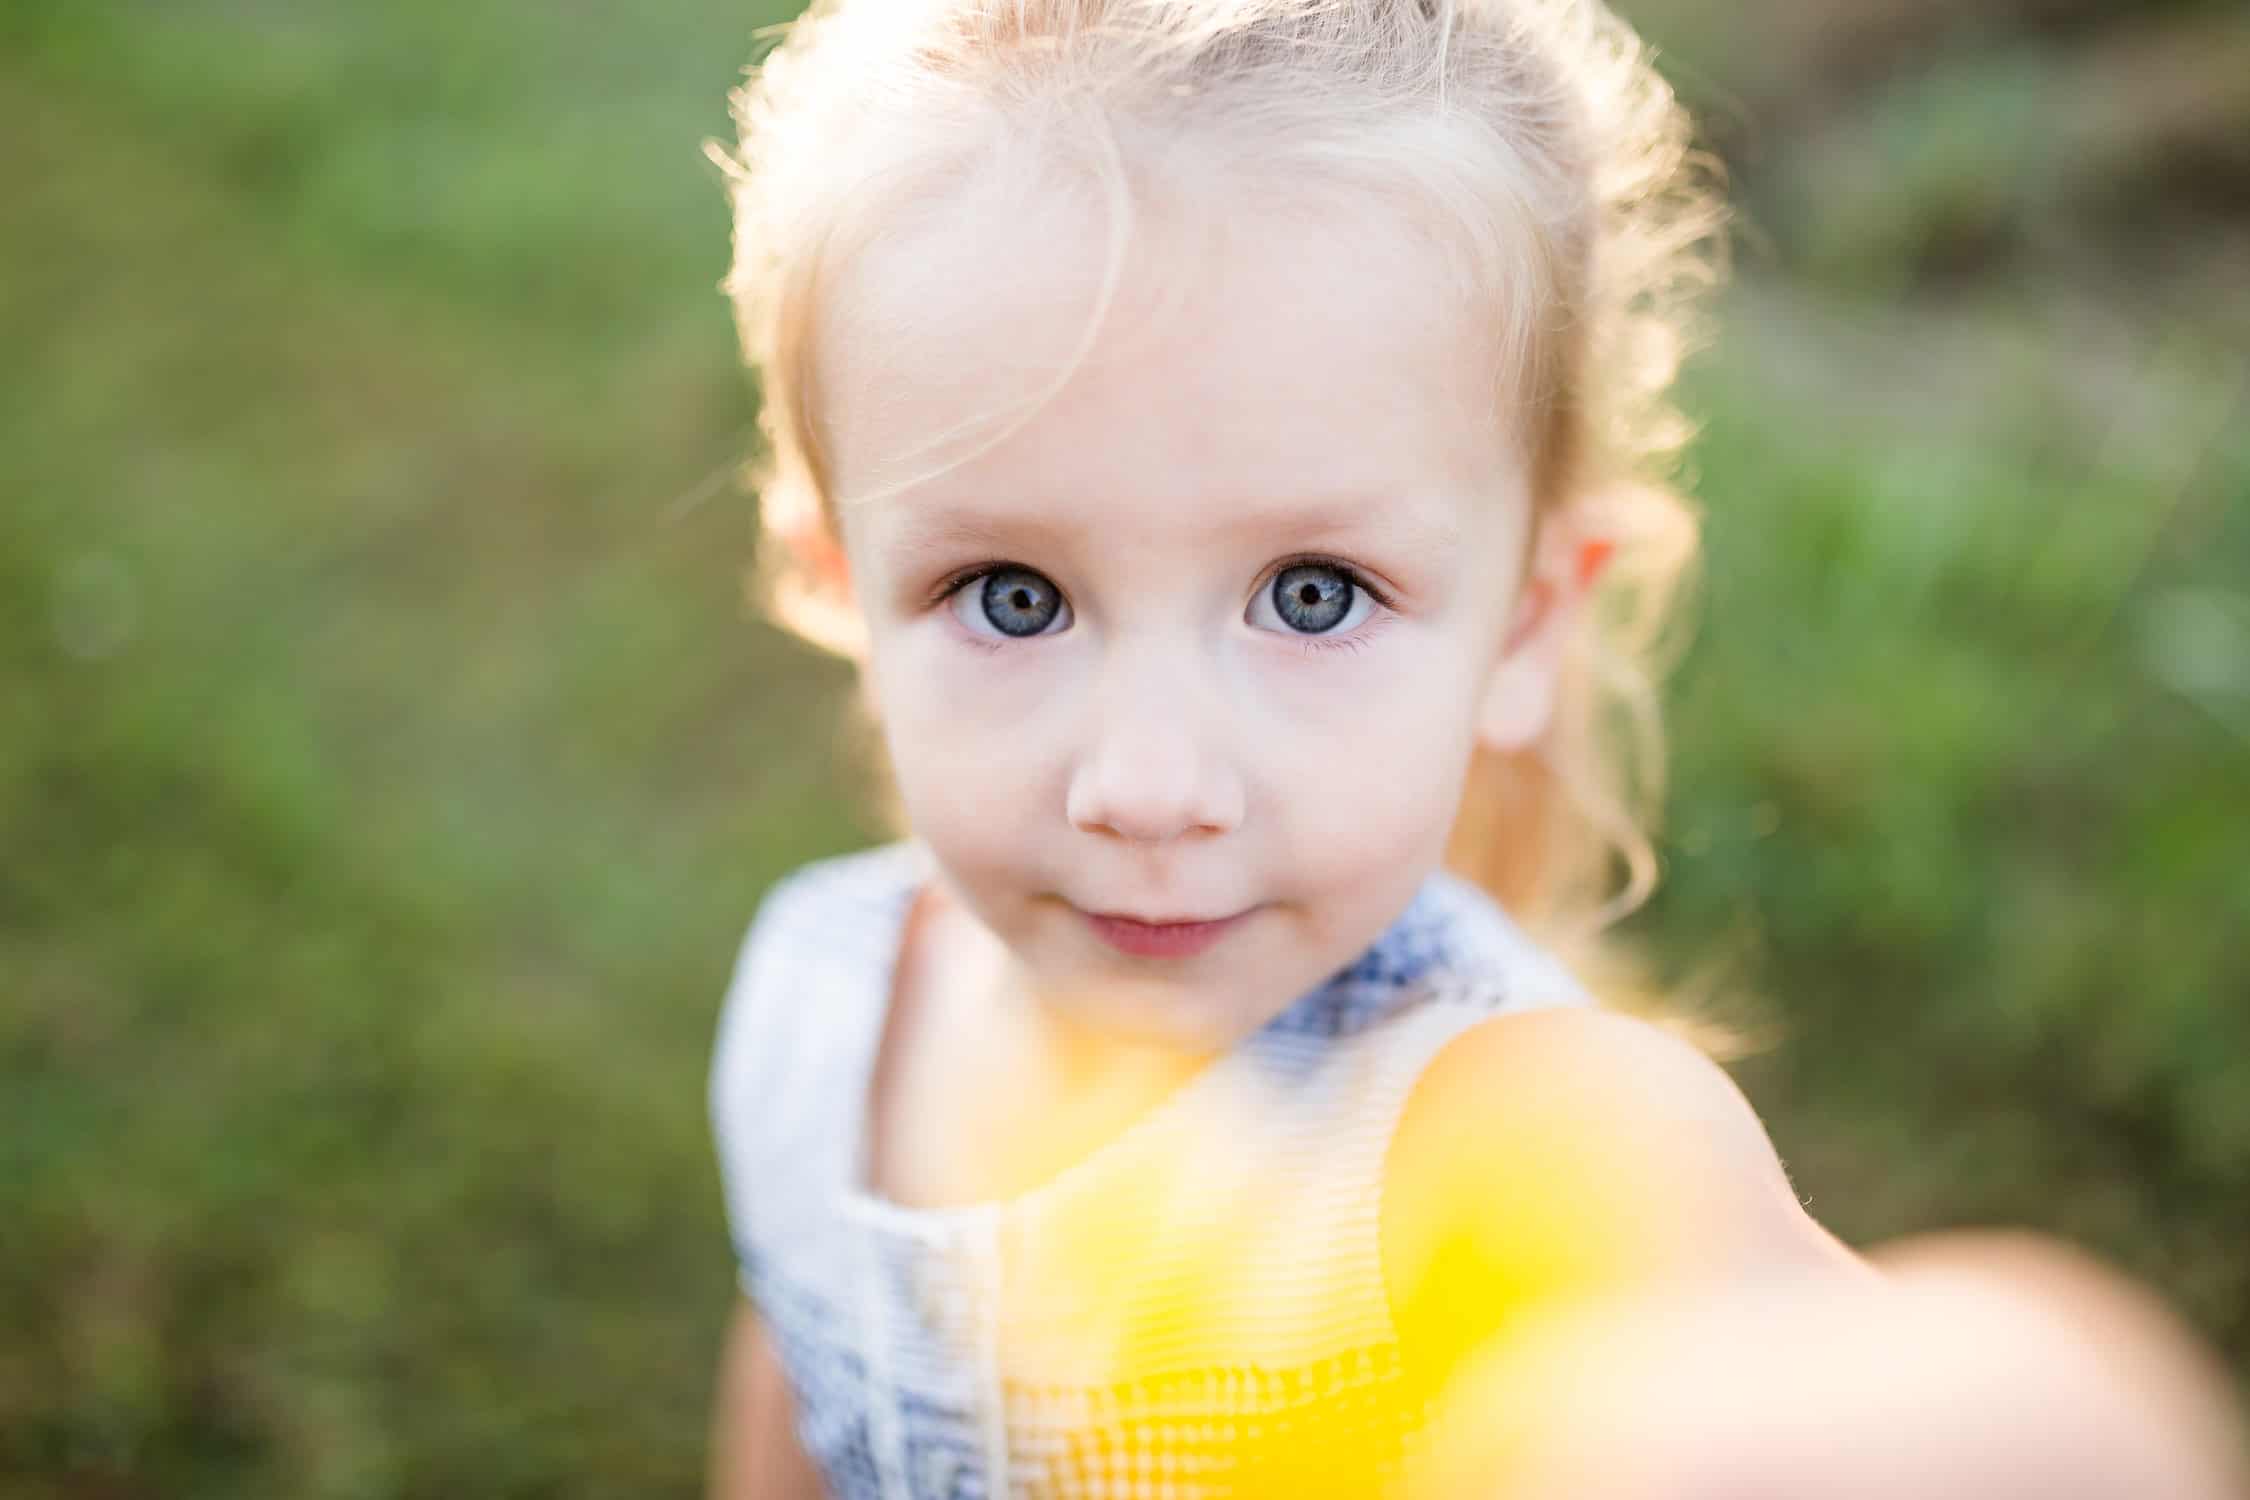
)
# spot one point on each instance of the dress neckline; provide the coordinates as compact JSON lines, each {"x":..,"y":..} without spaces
{"x":1386,"y":977}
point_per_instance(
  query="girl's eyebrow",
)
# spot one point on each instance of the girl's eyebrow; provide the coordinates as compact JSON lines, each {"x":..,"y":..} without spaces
{"x":1400,"y":524}
{"x":1416,"y":522}
{"x":946,"y":533}
{"x":1419,"y":523}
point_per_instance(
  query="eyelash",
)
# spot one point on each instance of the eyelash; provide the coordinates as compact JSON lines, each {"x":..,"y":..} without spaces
{"x":1312,"y":645}
{"x":1323,"y":645}
{"x":960,"y":578}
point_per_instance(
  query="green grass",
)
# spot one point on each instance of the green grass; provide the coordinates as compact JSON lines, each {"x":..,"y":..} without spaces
{"x":1943,"y":777}
{"x":390,"y":768}
{"x":388,"y":763}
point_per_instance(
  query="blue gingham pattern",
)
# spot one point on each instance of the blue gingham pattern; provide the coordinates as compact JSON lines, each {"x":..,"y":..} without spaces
{"x":891,"y":1322}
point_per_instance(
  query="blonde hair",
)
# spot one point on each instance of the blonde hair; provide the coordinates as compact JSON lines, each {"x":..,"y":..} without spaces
{"x":1538,"y":127}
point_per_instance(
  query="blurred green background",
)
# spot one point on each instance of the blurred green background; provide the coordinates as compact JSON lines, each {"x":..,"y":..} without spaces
{"x":388,"y":763}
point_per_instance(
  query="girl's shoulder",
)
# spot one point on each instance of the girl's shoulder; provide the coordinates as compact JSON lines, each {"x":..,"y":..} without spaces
{"x":1571,"y":1152}
{"x":843,"y":913}
{"x":827,"y":928}
{"x":844,"y":896}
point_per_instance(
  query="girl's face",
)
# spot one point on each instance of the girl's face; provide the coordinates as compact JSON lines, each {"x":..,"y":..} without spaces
{"x":1180,"y":679}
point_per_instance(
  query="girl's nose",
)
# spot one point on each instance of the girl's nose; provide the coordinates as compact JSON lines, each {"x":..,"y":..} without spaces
{"x":1150,"y":777}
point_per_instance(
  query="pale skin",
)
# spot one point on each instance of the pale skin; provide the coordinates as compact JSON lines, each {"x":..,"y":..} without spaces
{"x":1135,"y":722}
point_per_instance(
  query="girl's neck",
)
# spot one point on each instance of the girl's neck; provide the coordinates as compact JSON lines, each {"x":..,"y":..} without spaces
{"x":988,"y":1087}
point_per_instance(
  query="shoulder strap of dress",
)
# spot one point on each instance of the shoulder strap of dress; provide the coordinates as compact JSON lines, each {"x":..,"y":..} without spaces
{"x":1492,"y":951}
{"x":803,"y":1010}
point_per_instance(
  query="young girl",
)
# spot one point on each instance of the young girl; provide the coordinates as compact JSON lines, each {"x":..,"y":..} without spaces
{"x":1227,"y":435}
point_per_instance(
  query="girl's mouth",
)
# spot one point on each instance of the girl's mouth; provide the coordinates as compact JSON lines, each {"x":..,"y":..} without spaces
{"x":1140,"y":939}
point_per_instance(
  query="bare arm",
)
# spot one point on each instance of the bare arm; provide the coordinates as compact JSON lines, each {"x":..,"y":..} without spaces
{"x":1587,"y":1226}
{"x":755,"y":1454}
{"x":1561,"y":1156}
{"x":1993,"y":1366}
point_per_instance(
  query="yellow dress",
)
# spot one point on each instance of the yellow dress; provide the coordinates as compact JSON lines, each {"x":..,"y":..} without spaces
{"x":1197,"y":1309}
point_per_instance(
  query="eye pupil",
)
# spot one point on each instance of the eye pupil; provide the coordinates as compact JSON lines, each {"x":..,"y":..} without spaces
{"x":1019,"y":602}
{"x":1312,"y":597}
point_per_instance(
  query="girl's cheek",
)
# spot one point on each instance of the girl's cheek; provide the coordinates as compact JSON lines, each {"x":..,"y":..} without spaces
{"x":953,"y":707}
{"x":1368,"y":749}
{"x":1401,"y":681}
{"x":969,"y":759}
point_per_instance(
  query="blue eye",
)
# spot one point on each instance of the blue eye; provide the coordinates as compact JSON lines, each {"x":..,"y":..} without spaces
{"x":1013,"y":602}
{"x":1313,"y":598}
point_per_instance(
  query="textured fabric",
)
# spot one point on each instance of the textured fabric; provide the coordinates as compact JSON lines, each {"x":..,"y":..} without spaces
{"x":1196,"y":1309}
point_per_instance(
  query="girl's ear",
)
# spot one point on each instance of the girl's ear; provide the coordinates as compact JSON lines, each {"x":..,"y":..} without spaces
{"x":810,"y":577}
{"x":1519,"y":696}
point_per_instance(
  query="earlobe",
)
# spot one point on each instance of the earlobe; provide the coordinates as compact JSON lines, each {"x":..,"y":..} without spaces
{"x":1519,"y":696}
{"x":811,"y":577}
{"x":1593,"y":561}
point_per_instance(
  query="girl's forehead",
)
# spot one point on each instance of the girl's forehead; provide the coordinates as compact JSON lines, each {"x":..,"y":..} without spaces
{"x":1232,"y":352}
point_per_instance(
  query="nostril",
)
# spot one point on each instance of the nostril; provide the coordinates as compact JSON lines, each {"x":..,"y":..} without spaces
{"x":1132,"y":808}
{"x":1138,"y":811}
{"x":1152,"y":771}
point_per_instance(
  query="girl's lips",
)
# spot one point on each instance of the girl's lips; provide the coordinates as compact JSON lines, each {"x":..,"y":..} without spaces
{"x":1138,"y":939}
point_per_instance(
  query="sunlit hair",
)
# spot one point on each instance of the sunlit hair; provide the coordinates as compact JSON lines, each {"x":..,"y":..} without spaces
{"x":1534,"y":134}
